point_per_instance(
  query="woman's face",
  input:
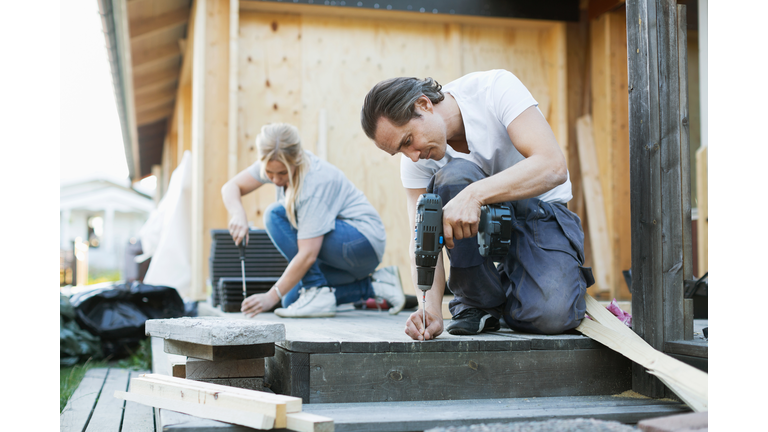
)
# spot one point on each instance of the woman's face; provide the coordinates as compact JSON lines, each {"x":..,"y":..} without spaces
{"x":277,"y":173}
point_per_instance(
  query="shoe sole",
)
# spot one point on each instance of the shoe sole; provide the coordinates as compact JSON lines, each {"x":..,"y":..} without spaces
{"x":464,"y":332}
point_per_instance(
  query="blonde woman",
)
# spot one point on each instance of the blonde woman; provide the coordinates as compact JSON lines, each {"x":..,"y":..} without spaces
{"x":325,"y":227}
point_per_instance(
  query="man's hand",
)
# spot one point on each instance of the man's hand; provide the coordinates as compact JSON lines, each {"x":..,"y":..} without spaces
{"x":415,"y":330}
{"x":461,"y":217}
{"x":258,"y":303}
{"x":238,"y":228}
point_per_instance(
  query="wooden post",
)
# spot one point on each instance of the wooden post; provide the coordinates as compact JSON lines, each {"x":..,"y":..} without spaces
{"x":656,"y":172}
{"x":210,"y":131}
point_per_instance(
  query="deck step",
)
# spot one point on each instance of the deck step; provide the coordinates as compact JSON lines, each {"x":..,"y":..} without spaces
{"x":423,"y":415}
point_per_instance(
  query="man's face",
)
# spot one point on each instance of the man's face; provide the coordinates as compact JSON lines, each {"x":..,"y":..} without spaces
{"x":421,"y":138}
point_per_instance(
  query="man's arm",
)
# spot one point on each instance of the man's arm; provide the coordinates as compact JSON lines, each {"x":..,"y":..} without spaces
{"x":414,"y":325}
{"x":542,"y":170}
{"x":231,"y":193}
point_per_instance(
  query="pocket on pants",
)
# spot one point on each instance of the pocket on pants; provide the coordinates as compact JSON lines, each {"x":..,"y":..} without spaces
{"x":556,"y":231}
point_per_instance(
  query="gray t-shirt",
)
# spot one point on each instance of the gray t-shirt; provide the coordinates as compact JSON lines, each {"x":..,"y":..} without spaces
{"x":328,"y":195}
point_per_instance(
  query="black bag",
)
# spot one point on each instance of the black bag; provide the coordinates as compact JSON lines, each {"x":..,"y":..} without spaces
{"x":117,"y":314}
{"x":75,"y":343}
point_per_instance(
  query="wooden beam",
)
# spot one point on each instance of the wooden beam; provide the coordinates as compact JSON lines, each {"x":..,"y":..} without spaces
{"x":146,"y":58}
{"x":599,"y":7}
{"x":144,"y":28}
{"x":155,"y":99}
{"x":154,"y":114}
{"x":602,"y":256}
{"x":702,"y":227}
{"x":306,"y":422}
{"x":655,"y":175}
{"x":142,"y":81}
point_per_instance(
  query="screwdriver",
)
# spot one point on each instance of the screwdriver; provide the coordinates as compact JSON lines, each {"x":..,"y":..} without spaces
{"x":241,"y":247}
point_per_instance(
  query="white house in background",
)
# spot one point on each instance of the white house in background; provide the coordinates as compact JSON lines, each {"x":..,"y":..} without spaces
{"x":106,"y":214}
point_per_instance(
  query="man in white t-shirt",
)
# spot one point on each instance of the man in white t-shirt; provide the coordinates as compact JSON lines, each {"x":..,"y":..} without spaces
{"x":481,"y":140}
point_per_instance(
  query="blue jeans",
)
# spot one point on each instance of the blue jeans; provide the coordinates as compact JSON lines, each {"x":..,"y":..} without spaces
{"x":539,"y":286}
{"x":345,"y":262}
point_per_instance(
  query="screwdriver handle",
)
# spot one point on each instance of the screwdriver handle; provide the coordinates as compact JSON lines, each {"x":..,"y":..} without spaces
{"x":241,"y":248}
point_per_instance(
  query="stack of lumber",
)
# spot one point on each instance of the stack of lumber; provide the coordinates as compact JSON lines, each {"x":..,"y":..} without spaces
{"x":262,"y":261}
{"x":219,"y":351}
{"x":250,"y":408}
{"x":230,"y":290}
{"x":687,"y":382}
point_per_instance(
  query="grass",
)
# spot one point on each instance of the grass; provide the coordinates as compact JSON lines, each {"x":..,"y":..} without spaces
{"x":70,"y":377}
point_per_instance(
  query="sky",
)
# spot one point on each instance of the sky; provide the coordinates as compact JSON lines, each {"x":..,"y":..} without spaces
{"x":91,"y":137}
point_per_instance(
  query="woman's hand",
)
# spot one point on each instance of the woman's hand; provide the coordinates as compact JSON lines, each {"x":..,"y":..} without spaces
{"x":238,"y":227}
{"x":415,"y":330}
{"x":259,"y":303}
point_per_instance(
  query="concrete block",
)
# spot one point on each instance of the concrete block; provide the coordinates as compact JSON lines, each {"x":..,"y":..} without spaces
{"x":676,"y":423}
{"x":199,"y":368}
{"x":215,"y":331}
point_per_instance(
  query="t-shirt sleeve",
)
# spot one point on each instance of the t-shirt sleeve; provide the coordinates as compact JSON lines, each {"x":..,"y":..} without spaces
{"x":314,"y":218}
{"x":414,"y":175}
{"x":255,"y":171}
{"x":510,"y":97}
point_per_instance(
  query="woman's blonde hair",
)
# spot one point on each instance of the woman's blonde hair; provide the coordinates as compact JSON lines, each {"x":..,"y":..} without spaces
{"x":281,"y":142}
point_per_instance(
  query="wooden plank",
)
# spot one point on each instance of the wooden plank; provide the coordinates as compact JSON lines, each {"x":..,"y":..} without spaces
{"x":424,"y":415}
{"x":78,"y":410}
{"x":198,"y":368}
{"x":685,"y":381}
{"x":145,"y":28}
{"x":137,"y":417}
{"x":689,"y":348}
{"x":339,"y":378}
{"x":155,"y":55}
{"x":702,"y":228}
{"x":179,"y":370}
{"x":268,"y":409}
{"x":251,"y":383}
{"x":108,"y":412}
{"x":685,"y":150}
{"x":234,"y":35}
{"x":218,"y":353}
{"x":306,"y":422}
{"x":258,"y":421}
{"x":292,"y":404}
{"x":645,"y":182}
{"x":593,"y":195}
{"x":288,"y":373}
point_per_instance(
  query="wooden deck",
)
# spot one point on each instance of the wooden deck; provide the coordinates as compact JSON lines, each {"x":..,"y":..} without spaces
{"x":360,"y":369}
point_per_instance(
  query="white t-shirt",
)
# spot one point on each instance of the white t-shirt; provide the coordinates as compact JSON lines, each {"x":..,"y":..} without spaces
{"x":488,"y":101}
{"x":327,"y":195}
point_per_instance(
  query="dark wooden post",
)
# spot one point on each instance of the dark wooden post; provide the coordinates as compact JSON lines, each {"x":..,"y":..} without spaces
{"x":660,"y":199}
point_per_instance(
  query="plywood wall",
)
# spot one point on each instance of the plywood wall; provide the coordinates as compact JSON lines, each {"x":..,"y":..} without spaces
{"x":293,"y":66}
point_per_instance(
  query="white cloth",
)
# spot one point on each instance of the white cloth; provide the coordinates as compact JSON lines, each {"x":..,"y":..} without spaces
{"x":488,"y":101}
{"x":165,"y":237}
{"x":327,"y":195}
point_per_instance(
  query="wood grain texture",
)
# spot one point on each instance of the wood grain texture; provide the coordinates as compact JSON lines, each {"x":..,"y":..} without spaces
{"x":137,"y":417}
{"x":218,"y":353}
{"x":336,"y":378}
{"x":288,"y":373}
{"x":108,"y":412}
{"x":198,"y":368}
{"x":78,"y":410}
{"x":702,"y":229}
{"x":645,"y":181}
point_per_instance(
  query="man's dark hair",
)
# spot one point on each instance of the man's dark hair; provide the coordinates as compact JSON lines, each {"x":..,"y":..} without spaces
{"x":394,"y":99}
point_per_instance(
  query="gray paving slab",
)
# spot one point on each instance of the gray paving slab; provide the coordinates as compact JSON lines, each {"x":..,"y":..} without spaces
{"x":216,"y":331}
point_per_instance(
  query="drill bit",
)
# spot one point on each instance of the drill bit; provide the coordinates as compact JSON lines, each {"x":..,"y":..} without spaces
{"x":241,"y":247}
{"x":424,"y":311}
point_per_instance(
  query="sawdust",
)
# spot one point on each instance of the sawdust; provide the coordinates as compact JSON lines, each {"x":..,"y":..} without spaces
{"x":636,"y":395}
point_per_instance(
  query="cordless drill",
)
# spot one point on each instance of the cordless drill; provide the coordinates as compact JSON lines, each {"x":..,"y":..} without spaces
{"x":493,"y":237}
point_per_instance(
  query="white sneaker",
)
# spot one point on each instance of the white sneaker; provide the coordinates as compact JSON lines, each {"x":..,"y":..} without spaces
{"x":315,"y":302}
{"x":387,"y":285}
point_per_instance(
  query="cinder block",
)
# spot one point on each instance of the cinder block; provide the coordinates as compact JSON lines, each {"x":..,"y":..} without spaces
{"x":216,"y":331}
{"x":199,"y":368}
{"x":677,"y":423}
